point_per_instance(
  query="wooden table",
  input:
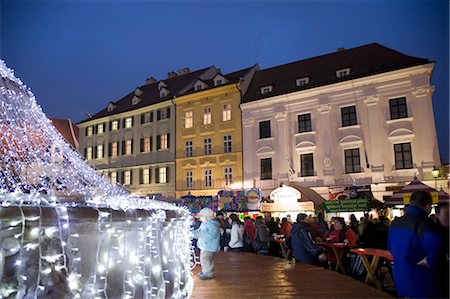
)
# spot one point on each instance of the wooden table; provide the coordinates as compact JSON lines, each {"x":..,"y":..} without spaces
{"x":339,"y":250}
{"x":372,"y":267}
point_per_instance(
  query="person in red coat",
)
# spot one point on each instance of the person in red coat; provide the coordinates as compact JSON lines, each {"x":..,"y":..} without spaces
{"x":340,"y":233}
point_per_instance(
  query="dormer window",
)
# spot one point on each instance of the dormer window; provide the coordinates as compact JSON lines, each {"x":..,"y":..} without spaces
{"x":138,"y":92}
{"x":343,"y":73}
{"x":110,"y":107}
{"x":266,"y":89}
{"x":135,"y":100}
{"x":161,"y":84}
{"x":302,"y":81}
{"x":199,"y":85}
{"x":163,"y":92}
{"x":219,"y":80}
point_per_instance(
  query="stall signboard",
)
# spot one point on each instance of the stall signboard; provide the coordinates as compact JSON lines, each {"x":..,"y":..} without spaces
{"x":196,"y":203}
{"x":407,"y":198}
{"x":284,"y":199}
{"x":348,"y":198}
{"x":240,"y":200}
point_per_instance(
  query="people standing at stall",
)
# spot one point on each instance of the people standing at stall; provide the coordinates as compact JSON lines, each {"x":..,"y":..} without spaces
{"x":237,"y":234}
{"x":274,"y":230}
{"x":285,"y":230}
{"x":417,"y":248}
{"x":208,"y":235}
{"x":224,"y":230}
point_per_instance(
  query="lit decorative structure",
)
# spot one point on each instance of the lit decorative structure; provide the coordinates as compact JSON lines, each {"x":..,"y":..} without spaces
{"x":67,"y":232}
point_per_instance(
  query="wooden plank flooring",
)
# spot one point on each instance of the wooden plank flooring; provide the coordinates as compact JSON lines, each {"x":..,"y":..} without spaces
{"x":247,"y":275}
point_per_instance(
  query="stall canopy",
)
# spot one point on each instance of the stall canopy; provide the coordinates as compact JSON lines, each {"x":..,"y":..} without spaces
{"x":308,"y":194}
{"x":403,"y":196}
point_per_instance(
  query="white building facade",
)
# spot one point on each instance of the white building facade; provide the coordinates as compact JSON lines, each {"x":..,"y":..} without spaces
{"x":362,"y":127}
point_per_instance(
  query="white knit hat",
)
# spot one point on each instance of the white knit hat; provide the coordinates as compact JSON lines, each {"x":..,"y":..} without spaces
{"x":207,"y":213}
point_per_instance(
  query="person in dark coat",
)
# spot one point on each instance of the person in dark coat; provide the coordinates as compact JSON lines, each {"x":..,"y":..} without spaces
{"x":442,"y":221}
{"x":262,"y":237}
{"x":417,"y":248}
{"x":274,"y":229}
{"x":304,"y":248}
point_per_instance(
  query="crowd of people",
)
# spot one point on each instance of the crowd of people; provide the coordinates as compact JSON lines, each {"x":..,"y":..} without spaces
{"x":418,"y":243}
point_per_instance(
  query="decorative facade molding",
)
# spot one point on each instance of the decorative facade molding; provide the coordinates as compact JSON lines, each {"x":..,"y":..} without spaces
{"x":280,"y":116}
{"x":371,"y":100}
{"x":324,"y":108}
{"x":423,"y":91}
{"x":248,"y":121}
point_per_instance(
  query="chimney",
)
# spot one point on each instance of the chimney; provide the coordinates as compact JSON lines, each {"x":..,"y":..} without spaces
{"x":183,"y":71}
{"x":150,"y":80}
{"x":340,"y":49}
{"x":171,"y":74}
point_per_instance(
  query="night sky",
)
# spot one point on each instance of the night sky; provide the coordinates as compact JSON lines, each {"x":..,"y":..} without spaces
{"x":76,"y":56}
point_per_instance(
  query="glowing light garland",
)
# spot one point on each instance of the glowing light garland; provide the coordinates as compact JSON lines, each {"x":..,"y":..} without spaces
{"x":67,"y":232}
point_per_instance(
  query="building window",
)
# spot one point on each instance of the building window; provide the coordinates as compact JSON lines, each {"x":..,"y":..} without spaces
{"x":145,"y":176}
{"x":146,"y":117}
{"x":403,"y":156}
{"x":343,"y":73}
{"x":163,"y":113}
{"x":189,"y":148}
{"x":207,"y":146}
{"x":266,"y":89}
{"x":128,"y":122}
{"x":146,"y":145}
{"x":188,"y":119}
{"x":228,"y":176}
{"x":302,"y":81}
{"x":352,"y":160}
{"x":226,"y":112}
{"x":218,"y":82}
{"x":198,"y":87}
{"x":127,"y":177}
{"x":89,"y":131}
{"x":100,"y":129}
{"x":162,"y":142}
{"x":89,"y":153}
{"x":189,"y":179}
{"x":100,"y":151}
{"x":114,"y":177}
{"x":266,"y":169}
{"x":208,"y":178}
{"x":227,"y":146}
{"x":114,"y":125}
{"x":207,"y":116}
{"x":348,"y":116}
{"x":128,"y":147}
{"x":307,"y":165}
{"x":398,"y":108}
{"x":304,"y":123}
{"x":161,"y":175}
{"x":114,"y":149}
{"x":264,"y":129}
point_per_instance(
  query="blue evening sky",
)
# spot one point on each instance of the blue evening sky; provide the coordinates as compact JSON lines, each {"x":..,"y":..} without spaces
{"x":78,"y":55}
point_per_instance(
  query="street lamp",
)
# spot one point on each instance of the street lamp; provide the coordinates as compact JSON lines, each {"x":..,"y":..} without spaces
{"x":435,"y":173}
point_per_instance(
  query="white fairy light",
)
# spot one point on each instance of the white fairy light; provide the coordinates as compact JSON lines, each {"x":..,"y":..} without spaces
{"x":48,"y":184}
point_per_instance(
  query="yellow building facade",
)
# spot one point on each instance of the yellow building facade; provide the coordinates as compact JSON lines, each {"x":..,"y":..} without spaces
{"x":209,"y":141}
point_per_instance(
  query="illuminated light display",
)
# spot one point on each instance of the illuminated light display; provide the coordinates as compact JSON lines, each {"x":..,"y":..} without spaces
{"x":67,"y":232}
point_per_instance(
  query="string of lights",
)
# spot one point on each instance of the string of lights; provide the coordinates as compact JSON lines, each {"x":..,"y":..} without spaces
{"x":66,"y":231}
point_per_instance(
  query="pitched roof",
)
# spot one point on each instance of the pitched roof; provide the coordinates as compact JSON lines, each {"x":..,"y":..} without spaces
{"x":363,"y":61}
{"x":151,"y":94}
{"x":68,"y":130}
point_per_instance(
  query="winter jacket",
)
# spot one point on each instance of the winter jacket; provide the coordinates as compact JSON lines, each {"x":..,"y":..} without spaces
{"x":412,"y":238}
{"x":262,"y":237}
{"x":303,"y":246}
{"x":208,"y":235}
{"x":237,"y":236}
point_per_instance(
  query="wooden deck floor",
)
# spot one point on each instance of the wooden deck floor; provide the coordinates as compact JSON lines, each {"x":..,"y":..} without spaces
{"x":247,"y":275}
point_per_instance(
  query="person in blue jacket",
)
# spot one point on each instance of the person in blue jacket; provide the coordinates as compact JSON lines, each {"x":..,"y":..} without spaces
{"x":304,"y":247}
{"x":417,"y":248}
{"x":208,"y":235}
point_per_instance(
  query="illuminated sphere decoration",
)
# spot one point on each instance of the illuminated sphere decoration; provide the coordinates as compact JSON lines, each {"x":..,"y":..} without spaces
{"x":66,"y":231}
